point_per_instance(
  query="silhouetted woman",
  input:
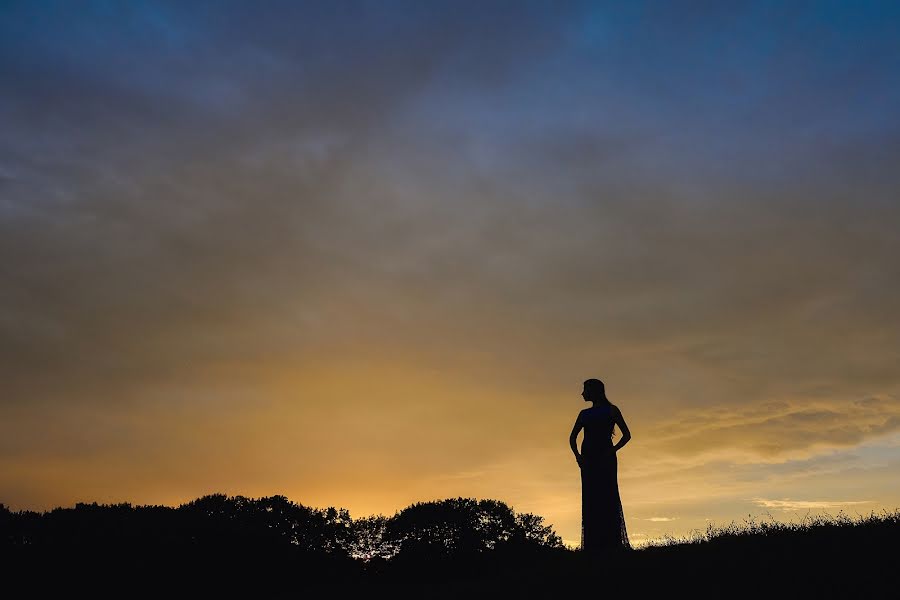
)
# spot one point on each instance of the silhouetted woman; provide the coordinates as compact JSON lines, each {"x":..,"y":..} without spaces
{"x":602,"y":519}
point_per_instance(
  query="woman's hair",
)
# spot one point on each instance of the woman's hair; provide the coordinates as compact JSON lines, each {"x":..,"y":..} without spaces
{"x":596,"y":390}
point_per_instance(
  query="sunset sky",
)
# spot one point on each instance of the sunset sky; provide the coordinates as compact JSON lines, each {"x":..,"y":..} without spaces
{"x":364,"y":254}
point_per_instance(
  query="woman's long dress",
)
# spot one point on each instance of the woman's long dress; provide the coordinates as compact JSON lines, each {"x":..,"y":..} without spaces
{"x":602,"y":519}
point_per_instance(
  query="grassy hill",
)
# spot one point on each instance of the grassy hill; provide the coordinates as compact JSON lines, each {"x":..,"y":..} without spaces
{"x":450,"y":548}
{"x":823,"y":557}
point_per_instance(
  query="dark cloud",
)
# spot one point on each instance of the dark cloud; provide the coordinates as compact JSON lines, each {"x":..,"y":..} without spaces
{"x":696,"y":205}
{"x":777,"y":430}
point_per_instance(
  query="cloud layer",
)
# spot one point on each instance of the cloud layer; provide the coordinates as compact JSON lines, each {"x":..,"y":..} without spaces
{"x":366,"y":254}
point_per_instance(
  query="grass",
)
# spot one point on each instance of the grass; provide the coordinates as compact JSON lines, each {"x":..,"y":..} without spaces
{"x":773,"y":528}
{"x":821,"y":556}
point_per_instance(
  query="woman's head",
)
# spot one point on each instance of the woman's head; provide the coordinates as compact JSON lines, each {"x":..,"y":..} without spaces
{"x":594,"y":391}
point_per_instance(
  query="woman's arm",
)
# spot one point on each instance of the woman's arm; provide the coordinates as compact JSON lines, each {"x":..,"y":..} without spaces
{"x":619,"y":420}
{"x":573,"y":438}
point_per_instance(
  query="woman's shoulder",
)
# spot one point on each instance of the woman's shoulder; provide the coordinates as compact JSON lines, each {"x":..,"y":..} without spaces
{"x":603,"y":410}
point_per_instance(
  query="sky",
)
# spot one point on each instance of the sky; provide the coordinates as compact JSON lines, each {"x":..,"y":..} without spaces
{"x":364,"y":254}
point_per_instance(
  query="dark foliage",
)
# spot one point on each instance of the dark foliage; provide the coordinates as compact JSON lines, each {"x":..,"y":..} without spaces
{"x":265,"y":543}
{"x":448,"y":548}
{"x":461,"y":538}
{"x":464,"y":526}
{"x":216,"y":540}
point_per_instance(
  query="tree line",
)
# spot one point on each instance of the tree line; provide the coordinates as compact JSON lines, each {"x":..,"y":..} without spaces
{"x":460,"y":547}
{"x":441,"y":529}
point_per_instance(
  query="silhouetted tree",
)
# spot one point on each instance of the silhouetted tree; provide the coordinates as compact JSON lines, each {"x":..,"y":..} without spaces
{"x":369,"y":539}
{"x":273,"y":521}
{"x":464,"y":526}
{"x":6,"y":526}
{"x":531,"y":531}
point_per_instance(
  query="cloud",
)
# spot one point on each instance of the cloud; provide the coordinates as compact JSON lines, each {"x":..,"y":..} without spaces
{"x":775,"y":431}
{"x":788,"y":504}
{"x":308,"y":231}
{"x":273,"y":208}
